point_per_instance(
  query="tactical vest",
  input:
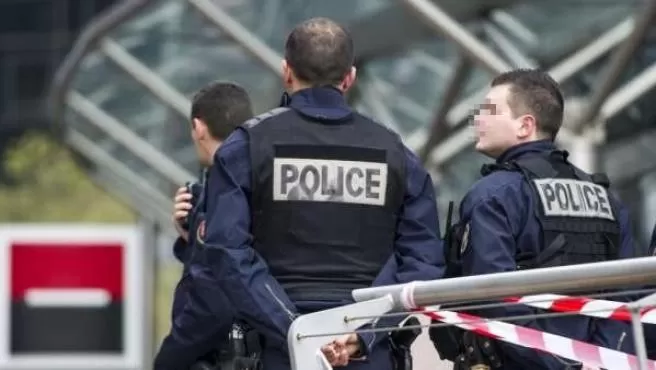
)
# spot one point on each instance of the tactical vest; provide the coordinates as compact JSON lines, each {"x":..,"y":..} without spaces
{"x":579,"y":224}
{"x":325,"y":201}
{"x":577,"y":215}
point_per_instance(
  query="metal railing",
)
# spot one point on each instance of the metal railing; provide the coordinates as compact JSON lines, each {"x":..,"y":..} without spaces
{"x":309,"y":332}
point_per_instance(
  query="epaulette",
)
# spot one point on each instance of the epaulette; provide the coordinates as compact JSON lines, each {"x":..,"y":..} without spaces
{"x":261,"y":117}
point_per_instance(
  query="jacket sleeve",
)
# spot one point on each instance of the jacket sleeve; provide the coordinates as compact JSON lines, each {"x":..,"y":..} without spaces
{"x":203,"y":324}
{"x":181,"y":250}
{"x":418,"y":253}
{"x":229,"y":279}
{"x":628,"y":247}
{"x":226,"y":253}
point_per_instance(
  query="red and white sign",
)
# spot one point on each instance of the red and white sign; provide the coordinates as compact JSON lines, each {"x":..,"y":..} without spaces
{"x":71,"y":296}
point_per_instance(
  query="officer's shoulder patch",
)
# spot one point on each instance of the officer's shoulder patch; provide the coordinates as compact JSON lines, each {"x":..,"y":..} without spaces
{"x":464,"y":243}
{"x":264,"y":116}
{"x":200,"y":232}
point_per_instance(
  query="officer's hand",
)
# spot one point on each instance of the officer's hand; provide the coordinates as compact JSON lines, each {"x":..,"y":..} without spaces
{"x":181,"y":207}
{"x":341,"y":350}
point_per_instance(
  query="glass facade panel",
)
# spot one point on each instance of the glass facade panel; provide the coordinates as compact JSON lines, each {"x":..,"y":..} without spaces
{"x":180,"y":45}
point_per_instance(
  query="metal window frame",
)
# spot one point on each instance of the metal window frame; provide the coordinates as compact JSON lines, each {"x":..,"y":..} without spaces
{"x":615,"y":67}
{"x":87,"y":40}
{"x":469,"y":44}
{"x":161,"y":89}
{"x":240,"y":34}
{"x":118,"y":131}
{"x":460,"y":139}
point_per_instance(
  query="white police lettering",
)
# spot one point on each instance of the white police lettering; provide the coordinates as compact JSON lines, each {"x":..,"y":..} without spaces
{"x":322,"y":180}
{"x":574,"y":198}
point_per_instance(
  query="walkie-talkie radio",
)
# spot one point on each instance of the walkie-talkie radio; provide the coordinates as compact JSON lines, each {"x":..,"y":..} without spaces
{"x":195,"y":190}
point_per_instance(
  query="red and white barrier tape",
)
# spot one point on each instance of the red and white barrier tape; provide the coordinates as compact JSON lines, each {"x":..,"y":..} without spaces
{"x":585,"y":353}
{"x":585,"y":306}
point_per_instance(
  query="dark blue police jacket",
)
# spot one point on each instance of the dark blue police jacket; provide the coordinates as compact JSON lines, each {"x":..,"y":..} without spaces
{"x":183,"y":250}
{"x":502,"y":222}
{"x":227,"y":259}
{"x":206,"y":339}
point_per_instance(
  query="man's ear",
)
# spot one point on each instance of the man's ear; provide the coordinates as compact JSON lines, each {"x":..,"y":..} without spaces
{"x":199,"y":127}
{"x":284,"y":67}
{"x":287,"y":73}
{"x":349,"y":80}
{"x":528,"y":126}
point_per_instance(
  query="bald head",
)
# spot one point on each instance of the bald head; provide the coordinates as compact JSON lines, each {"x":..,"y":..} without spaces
{"x":320,"y":52}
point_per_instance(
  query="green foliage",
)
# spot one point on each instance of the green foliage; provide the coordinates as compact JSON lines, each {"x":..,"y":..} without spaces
{"x":168,"y":276}
{"x":53,"y":188}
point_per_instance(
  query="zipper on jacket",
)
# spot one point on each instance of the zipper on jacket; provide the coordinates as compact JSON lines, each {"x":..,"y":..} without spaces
{"x":285,"y":308}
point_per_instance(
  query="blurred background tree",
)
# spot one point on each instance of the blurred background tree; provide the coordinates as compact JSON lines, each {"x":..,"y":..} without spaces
{"x":50,"y":186}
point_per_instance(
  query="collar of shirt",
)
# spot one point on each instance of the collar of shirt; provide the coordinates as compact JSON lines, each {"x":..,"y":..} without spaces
{"x":520,"y":150}
{"x":322,"y":103}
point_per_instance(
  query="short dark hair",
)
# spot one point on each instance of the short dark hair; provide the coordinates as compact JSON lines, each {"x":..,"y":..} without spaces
{"x":223,"y":106}
{"x":320,"y":52}
{"x":534,"y":92}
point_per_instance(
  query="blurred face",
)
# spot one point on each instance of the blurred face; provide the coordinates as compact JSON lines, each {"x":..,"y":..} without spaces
{"x":496,"y":129}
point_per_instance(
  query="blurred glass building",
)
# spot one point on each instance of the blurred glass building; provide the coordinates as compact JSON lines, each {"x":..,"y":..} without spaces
{"x":122,"y":95}
{"x":34,"y":39}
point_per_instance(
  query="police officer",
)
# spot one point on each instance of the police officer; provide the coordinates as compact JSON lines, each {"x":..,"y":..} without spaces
{"x":216,"y":110}
{"x":533,"y":209}
{"x":323,"y":201}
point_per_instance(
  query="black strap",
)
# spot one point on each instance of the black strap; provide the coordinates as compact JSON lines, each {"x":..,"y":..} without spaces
{"x":566,"y":226}
{"x":531,"y":167}
{"x":549,"y":252}
{"x":540,"y":166}
{"x":535,"y":166}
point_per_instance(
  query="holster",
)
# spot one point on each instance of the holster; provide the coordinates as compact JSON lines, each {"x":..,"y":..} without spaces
{"x":401,"y":343}
{"x":447,"y":341}
{"x":243,"y":353}
{"x":467,"y":350}
{"x":479,"y":353}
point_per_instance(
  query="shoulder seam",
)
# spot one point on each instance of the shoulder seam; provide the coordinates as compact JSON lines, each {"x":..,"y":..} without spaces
{"x":494,"y":192}
{"x":379,"y":123}
{"x":264,"y":116}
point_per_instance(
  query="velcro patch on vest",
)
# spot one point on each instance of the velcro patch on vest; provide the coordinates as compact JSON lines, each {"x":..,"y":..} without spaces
{"x":329,"y":180}
{"x":574,"y":198}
